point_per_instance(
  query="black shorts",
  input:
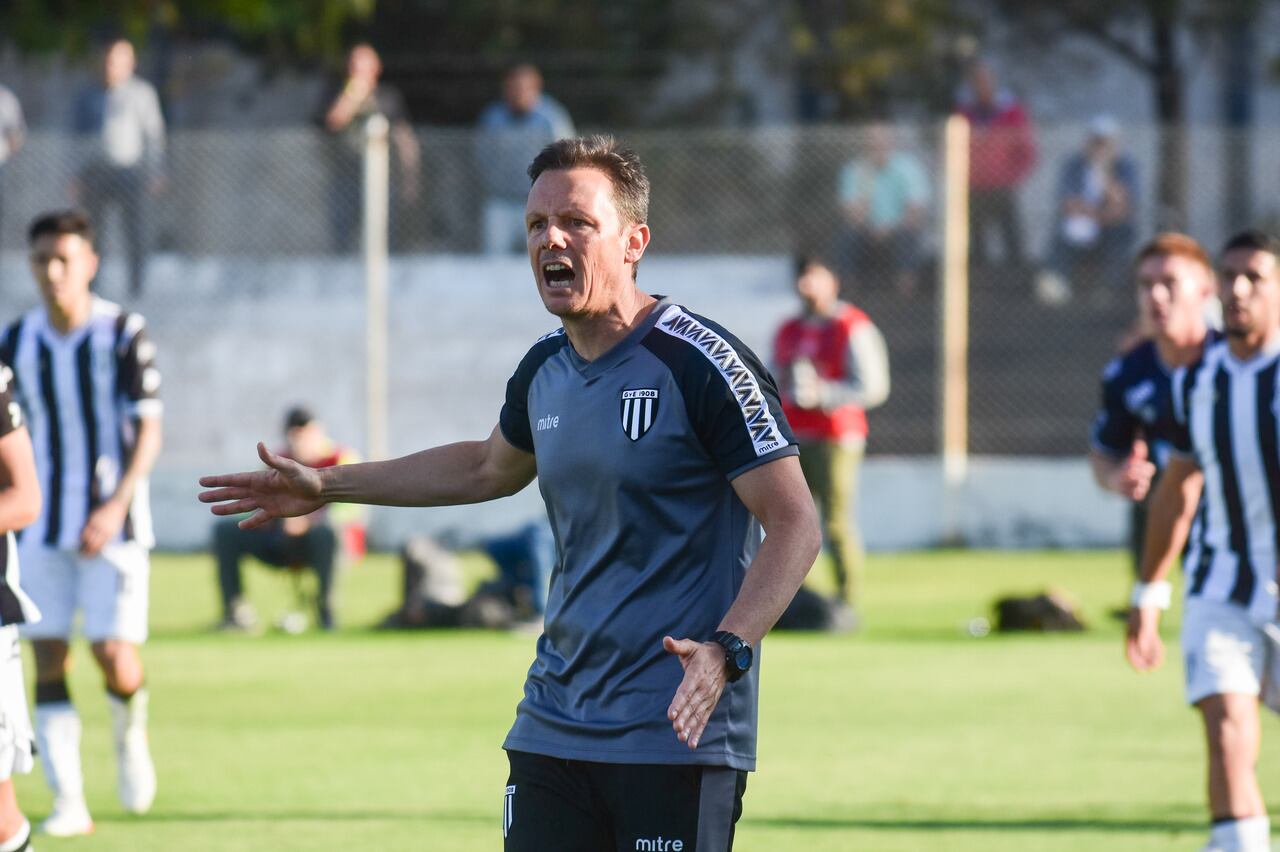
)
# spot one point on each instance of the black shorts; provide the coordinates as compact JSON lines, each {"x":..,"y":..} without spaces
{"x":575,"y":806}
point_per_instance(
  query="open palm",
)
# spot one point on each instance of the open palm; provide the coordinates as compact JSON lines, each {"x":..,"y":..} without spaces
{"x":285,"y":489}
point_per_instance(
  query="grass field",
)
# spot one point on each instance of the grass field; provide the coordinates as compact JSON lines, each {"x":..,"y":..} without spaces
{"x":912,"y":735}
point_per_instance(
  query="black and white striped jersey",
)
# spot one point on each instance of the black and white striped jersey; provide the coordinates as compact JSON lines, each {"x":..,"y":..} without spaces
{"x":1228,"y":419}
{"x":83,"y":394}
{"x":15,"y":607}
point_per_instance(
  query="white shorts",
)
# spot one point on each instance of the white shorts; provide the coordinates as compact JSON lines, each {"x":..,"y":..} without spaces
{"x":110,"y":590}
{"x":1224,"y":651}
{"x":16,"y":736}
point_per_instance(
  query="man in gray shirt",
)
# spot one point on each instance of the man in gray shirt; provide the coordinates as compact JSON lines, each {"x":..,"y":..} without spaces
{"x":124,"y":150}
{"x":661,"y":452}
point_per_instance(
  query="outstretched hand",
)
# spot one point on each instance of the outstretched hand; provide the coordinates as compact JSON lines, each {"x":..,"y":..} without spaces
{"x":699,"y":692}
{"x":286,"y":489}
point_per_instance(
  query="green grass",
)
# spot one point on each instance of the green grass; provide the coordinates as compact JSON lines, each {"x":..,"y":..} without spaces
{"x":909,"y":736}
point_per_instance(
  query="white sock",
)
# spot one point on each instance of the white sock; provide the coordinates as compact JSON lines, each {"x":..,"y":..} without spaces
{"x":19,"y":839}
{"x":58,"y":740}
{"x":1251,"y":834}
{"x":127,"y":714}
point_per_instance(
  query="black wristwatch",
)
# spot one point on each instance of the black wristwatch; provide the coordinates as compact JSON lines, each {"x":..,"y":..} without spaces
{"x":737,"y":654}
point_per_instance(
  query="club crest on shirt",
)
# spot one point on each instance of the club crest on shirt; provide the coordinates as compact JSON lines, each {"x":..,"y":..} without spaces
{"x":639,"y":410}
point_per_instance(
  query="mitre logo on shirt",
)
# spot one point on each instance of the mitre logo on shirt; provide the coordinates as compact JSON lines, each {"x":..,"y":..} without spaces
{"x":639,"y":410}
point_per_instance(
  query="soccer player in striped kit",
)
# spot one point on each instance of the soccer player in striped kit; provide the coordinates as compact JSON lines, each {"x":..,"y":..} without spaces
{"x":1226,"y":446}
{"x":88,"y":387}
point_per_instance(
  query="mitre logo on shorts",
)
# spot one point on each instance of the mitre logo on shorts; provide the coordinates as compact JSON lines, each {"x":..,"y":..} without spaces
{"x":639,"y":410}
{"x":508,"y":802}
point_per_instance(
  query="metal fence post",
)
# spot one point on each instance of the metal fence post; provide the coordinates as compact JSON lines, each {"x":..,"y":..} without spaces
{"x":377,"y":180}
{"x":953,"y":309}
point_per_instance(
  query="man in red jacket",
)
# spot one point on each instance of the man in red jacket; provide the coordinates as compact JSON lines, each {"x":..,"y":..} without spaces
{"x":831,"y":365}
{"x":1002,"y":152}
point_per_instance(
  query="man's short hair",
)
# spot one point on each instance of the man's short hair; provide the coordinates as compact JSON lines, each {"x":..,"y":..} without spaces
{"x":60,"y":223}
{"x":1255,"y":240}
{"x":802,"y":263}
{"x":1173,"y":244}
{"x":297,"y":417}
{"x":621,"y":164}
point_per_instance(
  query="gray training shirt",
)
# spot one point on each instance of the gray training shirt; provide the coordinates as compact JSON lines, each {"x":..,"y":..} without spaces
{"x":636,"y":451}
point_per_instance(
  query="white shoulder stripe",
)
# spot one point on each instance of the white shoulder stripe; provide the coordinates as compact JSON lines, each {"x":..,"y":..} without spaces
{"x":765,"y":434}
{"x":550,"y":334}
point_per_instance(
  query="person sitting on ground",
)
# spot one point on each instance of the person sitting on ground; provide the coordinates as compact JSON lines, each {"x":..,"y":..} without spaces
{"x":313,"y":541}
{"x":433,"y":588}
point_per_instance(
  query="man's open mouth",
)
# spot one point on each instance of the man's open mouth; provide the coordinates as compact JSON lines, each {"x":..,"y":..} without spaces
{"x":557,"y":274}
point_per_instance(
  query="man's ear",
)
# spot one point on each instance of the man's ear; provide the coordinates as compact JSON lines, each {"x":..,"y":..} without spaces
{"x":637,"y":242}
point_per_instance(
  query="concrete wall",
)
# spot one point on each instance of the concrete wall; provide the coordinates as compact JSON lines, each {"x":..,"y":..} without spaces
{"x":241,"y":339}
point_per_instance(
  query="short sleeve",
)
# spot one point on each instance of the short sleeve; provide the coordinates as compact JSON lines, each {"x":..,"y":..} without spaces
{"x":138,"y":376}
{"x":731,"y":399}
{"x":1114,"y":426}
{"x":513,"y":420}
{"x":1180,"y":423}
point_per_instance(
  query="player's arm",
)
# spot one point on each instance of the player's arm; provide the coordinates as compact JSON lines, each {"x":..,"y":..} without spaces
{"x":1117,"y":453}
{"x":776,"y":493}
{"x":1169,"y":517}
{"x":465,"y":472}
{"x":107,"y":519}
{"x":19,"y":485}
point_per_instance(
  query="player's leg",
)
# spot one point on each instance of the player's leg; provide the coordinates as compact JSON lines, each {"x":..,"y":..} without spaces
{"x":50,"y":578}
{"x":15,"y":830}
{"x":58,"y":740}
{"x":15,"y":742}
{"x":692,"y":808}
{"x":1226,"y":657}
{"x":548,"y":804}
{"x":114,"y":600}
{"x":1233,"y":735}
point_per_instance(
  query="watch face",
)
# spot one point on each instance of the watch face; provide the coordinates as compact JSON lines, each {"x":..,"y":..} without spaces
{"x":742,"y":658}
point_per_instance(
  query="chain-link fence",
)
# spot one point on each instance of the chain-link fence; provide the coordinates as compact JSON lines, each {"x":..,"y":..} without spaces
{"x":253,"y":280}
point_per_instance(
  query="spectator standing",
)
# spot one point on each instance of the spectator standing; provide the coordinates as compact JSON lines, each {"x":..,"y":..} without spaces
{"x":1002,"y":152}
{"x":832,"y":366}
{"x":120,"y":120}
{"x":884,"y":197}
{"x":347,"y":112}
{"x":1095,"y":226}
{"x":512,"y":131}
{"x":13,"y":133}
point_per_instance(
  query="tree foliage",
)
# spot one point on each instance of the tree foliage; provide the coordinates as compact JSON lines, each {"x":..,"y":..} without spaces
{"x":867,"y":56}
{"x":297,"y":29}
